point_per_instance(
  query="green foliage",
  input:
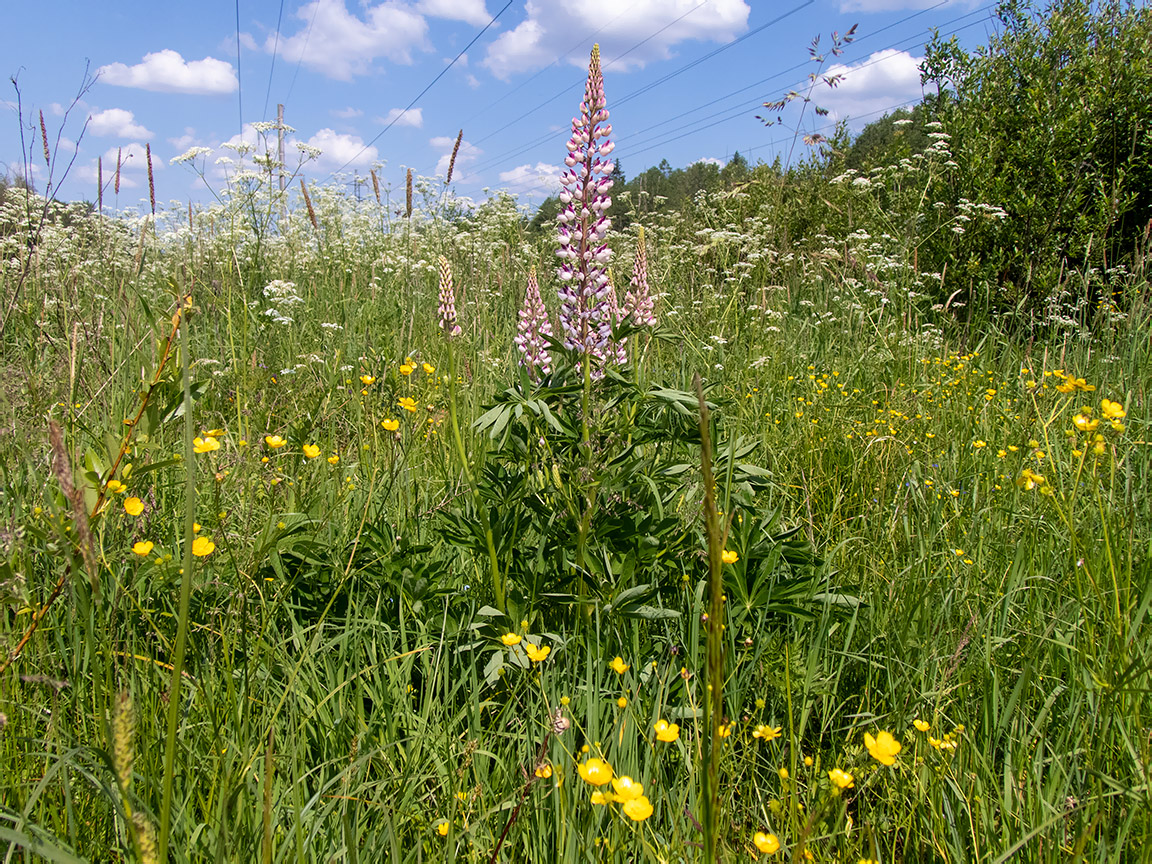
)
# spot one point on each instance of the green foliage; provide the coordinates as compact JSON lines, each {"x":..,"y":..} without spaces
{"x":1049,"y":122}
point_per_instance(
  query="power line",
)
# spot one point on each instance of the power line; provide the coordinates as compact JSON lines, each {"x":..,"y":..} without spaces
{"x":272,"y":67}
{"x":239,"y":82}
{"x":425,"y":90}
{"x":494,"y":160}
{"x":743,"y":109}
{"x":303,"y":50}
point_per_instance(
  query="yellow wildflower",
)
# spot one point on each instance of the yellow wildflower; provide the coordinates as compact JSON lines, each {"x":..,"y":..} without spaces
{"x":729,"y":556}
{"x":405,"y":369}
{"x":311,"y":451}
{"x":390,"y":425}
{"x":274,"y":441}
{"x":429,"y":368}
{"x":666,"y":731}
{"x":537,"y":653}
{"x":202,"y":546}
{"x":769,"y":844}
{"x":768,"y":733}
{"x":638,"y":809}
{"x":205,"y":445}
{"x":510,"y":639}
{"x":883,"y":747}
{"x":143,"y":547}
{"x":407,"y":403}
{"x":133,"y":506}
{"x":921,"y":725}
{"x":619,"y":666}
{"x":841,"y":779}
{"x":595,"y":772}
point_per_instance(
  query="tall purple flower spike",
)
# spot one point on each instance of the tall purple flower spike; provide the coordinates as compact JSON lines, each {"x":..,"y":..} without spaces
{"x":616,"y":351}
{"x":639,"y":304}
{"x":447,"y":309}
{"x":533,"y":327}
{"x":583,"y":225}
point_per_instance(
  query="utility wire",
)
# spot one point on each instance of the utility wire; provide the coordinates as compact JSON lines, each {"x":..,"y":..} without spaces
{"x":272,"y":67}
{"x":548,"y":135}
{"x":741,"y":110}
{"x":303,"y":50}
{"x":442,"y":73}
{"x":239,"y":83}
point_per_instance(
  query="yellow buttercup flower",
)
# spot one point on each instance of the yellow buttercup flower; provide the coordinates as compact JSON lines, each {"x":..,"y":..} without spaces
{"x":638,"y":809}
{"x":1112,"y":410}
{"x":618,"y":666}
{"x":626,"y":788}
{"x":333,"y":459}
{"x":115,"y":486}
{"x":510,"y":639}
{"x":205,"y":445}
{"x":666,"y":731}
{"x":769,"y":844}
{"x":1029,"y":480}
{"x":133,"y":506}
{"x":600,"y":799}
{"x":274,"y":441}
{"x":407,"y":403}
{"x":726,"y":729}
{"x":143,"y":547}
{"x":390,"y":425}
{"x":537,"y":653}
{"x":311,"y":451}
{"x":544,"y":771}
{"x":921,"y":725}
{"x":841,"y":779}
{"x":429,"y":368}
{"x":367,"y":380}
{"x":442,"y":828}
{"x":595,"y":772}
{"x":768,"y":733}
{"x":729,"y":556}
{"x":405,"y":369}
{"x":622,"y":702}
{"x":883,"y":747}
{"x":202,"y":546}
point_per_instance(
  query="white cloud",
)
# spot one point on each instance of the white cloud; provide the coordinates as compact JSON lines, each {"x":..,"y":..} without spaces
{"x":886,"y":79}
{"x":348,"y":113}
{"x":470,"y":11}
{"x":548,"y":30}
{"x":472,"y":81}
{"x":183,"y":142}
{"x":542,"y":177}
{"x":167,"y":72}
{"x":342,"y":45}
{"x":338,"y":150}
{"x":413,"y":117}
{"x":711,"y":160}
{"x":117,"y":123}
{"x":468,"y":154}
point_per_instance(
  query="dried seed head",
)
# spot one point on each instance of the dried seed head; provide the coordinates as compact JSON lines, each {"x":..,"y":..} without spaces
{"x":447,"y":309}
{"x":452,"y":161}
{"x":560,"y":723}
{"x":408,"y":196}
{"x":308,"y":204}
{"x":145,"y":839}
{"x":151,"y":185}
{"x":375,"y":185}
{"x":123,"y":733}
{"x":44,"y":138}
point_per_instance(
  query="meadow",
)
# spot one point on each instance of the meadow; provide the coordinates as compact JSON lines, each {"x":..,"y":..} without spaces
{"x":295,"y":570}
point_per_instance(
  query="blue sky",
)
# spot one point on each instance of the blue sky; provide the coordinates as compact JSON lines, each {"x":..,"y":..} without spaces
{"x":684,"y":79}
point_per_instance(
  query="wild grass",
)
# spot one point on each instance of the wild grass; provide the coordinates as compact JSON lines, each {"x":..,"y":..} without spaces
{"x":288,"y":648}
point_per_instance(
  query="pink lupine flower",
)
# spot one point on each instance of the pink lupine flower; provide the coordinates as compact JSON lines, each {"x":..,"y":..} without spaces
{"x":616,"y":350}
{"x":447,"y":308}
{"x":583,"y":225}
{"x":639,"y":302}
{"x":533,"y":327}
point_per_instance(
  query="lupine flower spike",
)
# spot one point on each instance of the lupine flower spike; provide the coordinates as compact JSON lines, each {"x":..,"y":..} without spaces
{"x":583,"y":225}
{"x":616,"y":351}
{"x":534,"y":326}
{"x":447,"y":308}
{"x":639,"y":302}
